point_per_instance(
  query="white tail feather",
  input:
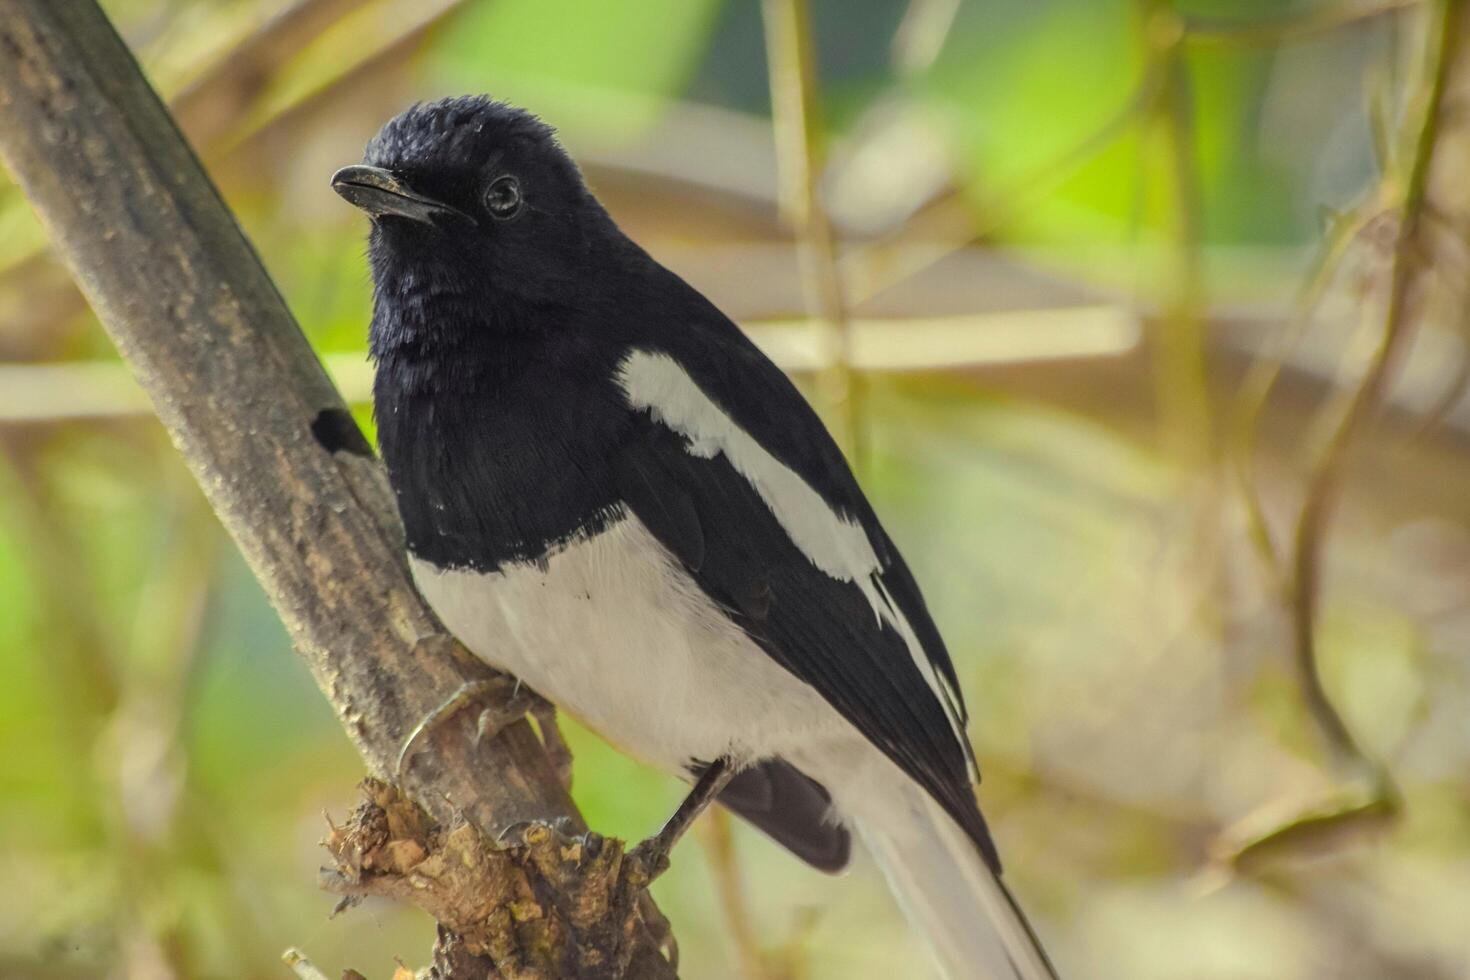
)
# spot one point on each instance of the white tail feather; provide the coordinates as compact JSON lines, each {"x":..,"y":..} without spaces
{"x":947,"y":891}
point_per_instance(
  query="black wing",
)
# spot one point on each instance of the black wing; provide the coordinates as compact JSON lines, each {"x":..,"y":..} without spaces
{"x":791,"y":808}
{"x":822,"y":629}
{"x":761,"y":399}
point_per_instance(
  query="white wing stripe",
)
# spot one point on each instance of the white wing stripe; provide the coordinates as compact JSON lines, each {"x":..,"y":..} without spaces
{"x":655,"y":382}
{"x":837,"y":546}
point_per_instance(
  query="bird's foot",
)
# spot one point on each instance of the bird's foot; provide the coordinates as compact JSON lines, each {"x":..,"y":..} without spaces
{"x":502,"y":701}
{"x":650,"y":858}
{"x":560,"y":837}
{"x":652,"y":855}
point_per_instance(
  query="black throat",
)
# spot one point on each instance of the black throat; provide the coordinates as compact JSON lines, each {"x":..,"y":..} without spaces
{"x":495,"y":419}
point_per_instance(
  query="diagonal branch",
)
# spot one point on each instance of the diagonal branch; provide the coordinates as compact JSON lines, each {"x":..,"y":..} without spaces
{"x":245,"y":399}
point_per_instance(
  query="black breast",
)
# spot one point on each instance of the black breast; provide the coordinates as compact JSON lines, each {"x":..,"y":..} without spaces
{"x":497,"y":457}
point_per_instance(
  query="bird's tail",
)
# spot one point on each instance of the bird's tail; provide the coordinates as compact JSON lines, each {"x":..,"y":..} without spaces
{"x":951,"y":895}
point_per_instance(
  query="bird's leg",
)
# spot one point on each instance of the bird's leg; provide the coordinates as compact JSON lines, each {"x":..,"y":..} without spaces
{"x":654,"y":852}
{"x":502,"y":699}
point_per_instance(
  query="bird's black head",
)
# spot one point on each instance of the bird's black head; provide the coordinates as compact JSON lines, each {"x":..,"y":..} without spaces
{"x":477,"y":210}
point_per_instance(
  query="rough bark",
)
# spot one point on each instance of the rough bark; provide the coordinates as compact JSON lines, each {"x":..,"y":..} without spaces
{"x":191,"y":309}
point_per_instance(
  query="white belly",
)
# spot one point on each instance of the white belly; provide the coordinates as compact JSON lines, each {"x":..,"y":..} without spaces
{"x":618,"y":635}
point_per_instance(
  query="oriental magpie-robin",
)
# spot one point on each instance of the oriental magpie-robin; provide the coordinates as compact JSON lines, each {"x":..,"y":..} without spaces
{"x":611,"y":493}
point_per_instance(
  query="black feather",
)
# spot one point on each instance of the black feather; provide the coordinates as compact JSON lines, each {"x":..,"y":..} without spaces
{"x":792,"y":809}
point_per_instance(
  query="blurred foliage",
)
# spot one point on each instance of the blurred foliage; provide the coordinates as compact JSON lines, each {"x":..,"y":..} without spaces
{"x":573,"y":57}
{"x":1125,"y":654}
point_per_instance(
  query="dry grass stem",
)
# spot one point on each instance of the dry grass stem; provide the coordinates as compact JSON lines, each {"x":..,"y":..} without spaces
{"x":795,"y":110}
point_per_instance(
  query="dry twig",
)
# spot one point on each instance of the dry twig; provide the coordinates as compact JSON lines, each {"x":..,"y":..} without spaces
{"x":1181,"y":388}
{"x":1359,"y":807}
{"x":719,"y":849}
{"x":1325,"y":485}
{"x":796,"y":117}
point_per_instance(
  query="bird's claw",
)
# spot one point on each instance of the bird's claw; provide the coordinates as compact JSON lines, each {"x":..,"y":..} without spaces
{"x":504,"y":702}
{"x":561,"y":847}
{"x":652,"y":856}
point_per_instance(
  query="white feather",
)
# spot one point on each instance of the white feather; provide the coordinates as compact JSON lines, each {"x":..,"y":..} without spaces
{"x":612,"y":629}
{"x":834,"y":543}
{"x":946,"y":889}
{"x":838,"y":546}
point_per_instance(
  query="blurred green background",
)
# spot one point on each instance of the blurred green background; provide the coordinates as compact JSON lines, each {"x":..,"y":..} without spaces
{"x":1079,"y":242}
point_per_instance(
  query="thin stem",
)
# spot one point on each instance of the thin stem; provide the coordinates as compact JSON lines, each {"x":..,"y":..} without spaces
{"x":1180,"y":372}
{"x":1325,"y":485}
{"x":301,"y":966}
{"x":1260,"y":379}
{"x":795,"y":113}
{"x":921,"y":35}
{"x":719,"y":849}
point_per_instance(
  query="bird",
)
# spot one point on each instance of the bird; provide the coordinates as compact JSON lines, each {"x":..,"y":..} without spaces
{"x":609,"y":492}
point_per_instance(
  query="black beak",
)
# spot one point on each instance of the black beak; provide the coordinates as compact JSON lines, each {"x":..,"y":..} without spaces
{"x":379,"y":193}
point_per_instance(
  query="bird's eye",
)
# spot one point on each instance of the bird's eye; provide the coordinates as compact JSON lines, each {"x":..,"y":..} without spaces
{"x":503,"y":198}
